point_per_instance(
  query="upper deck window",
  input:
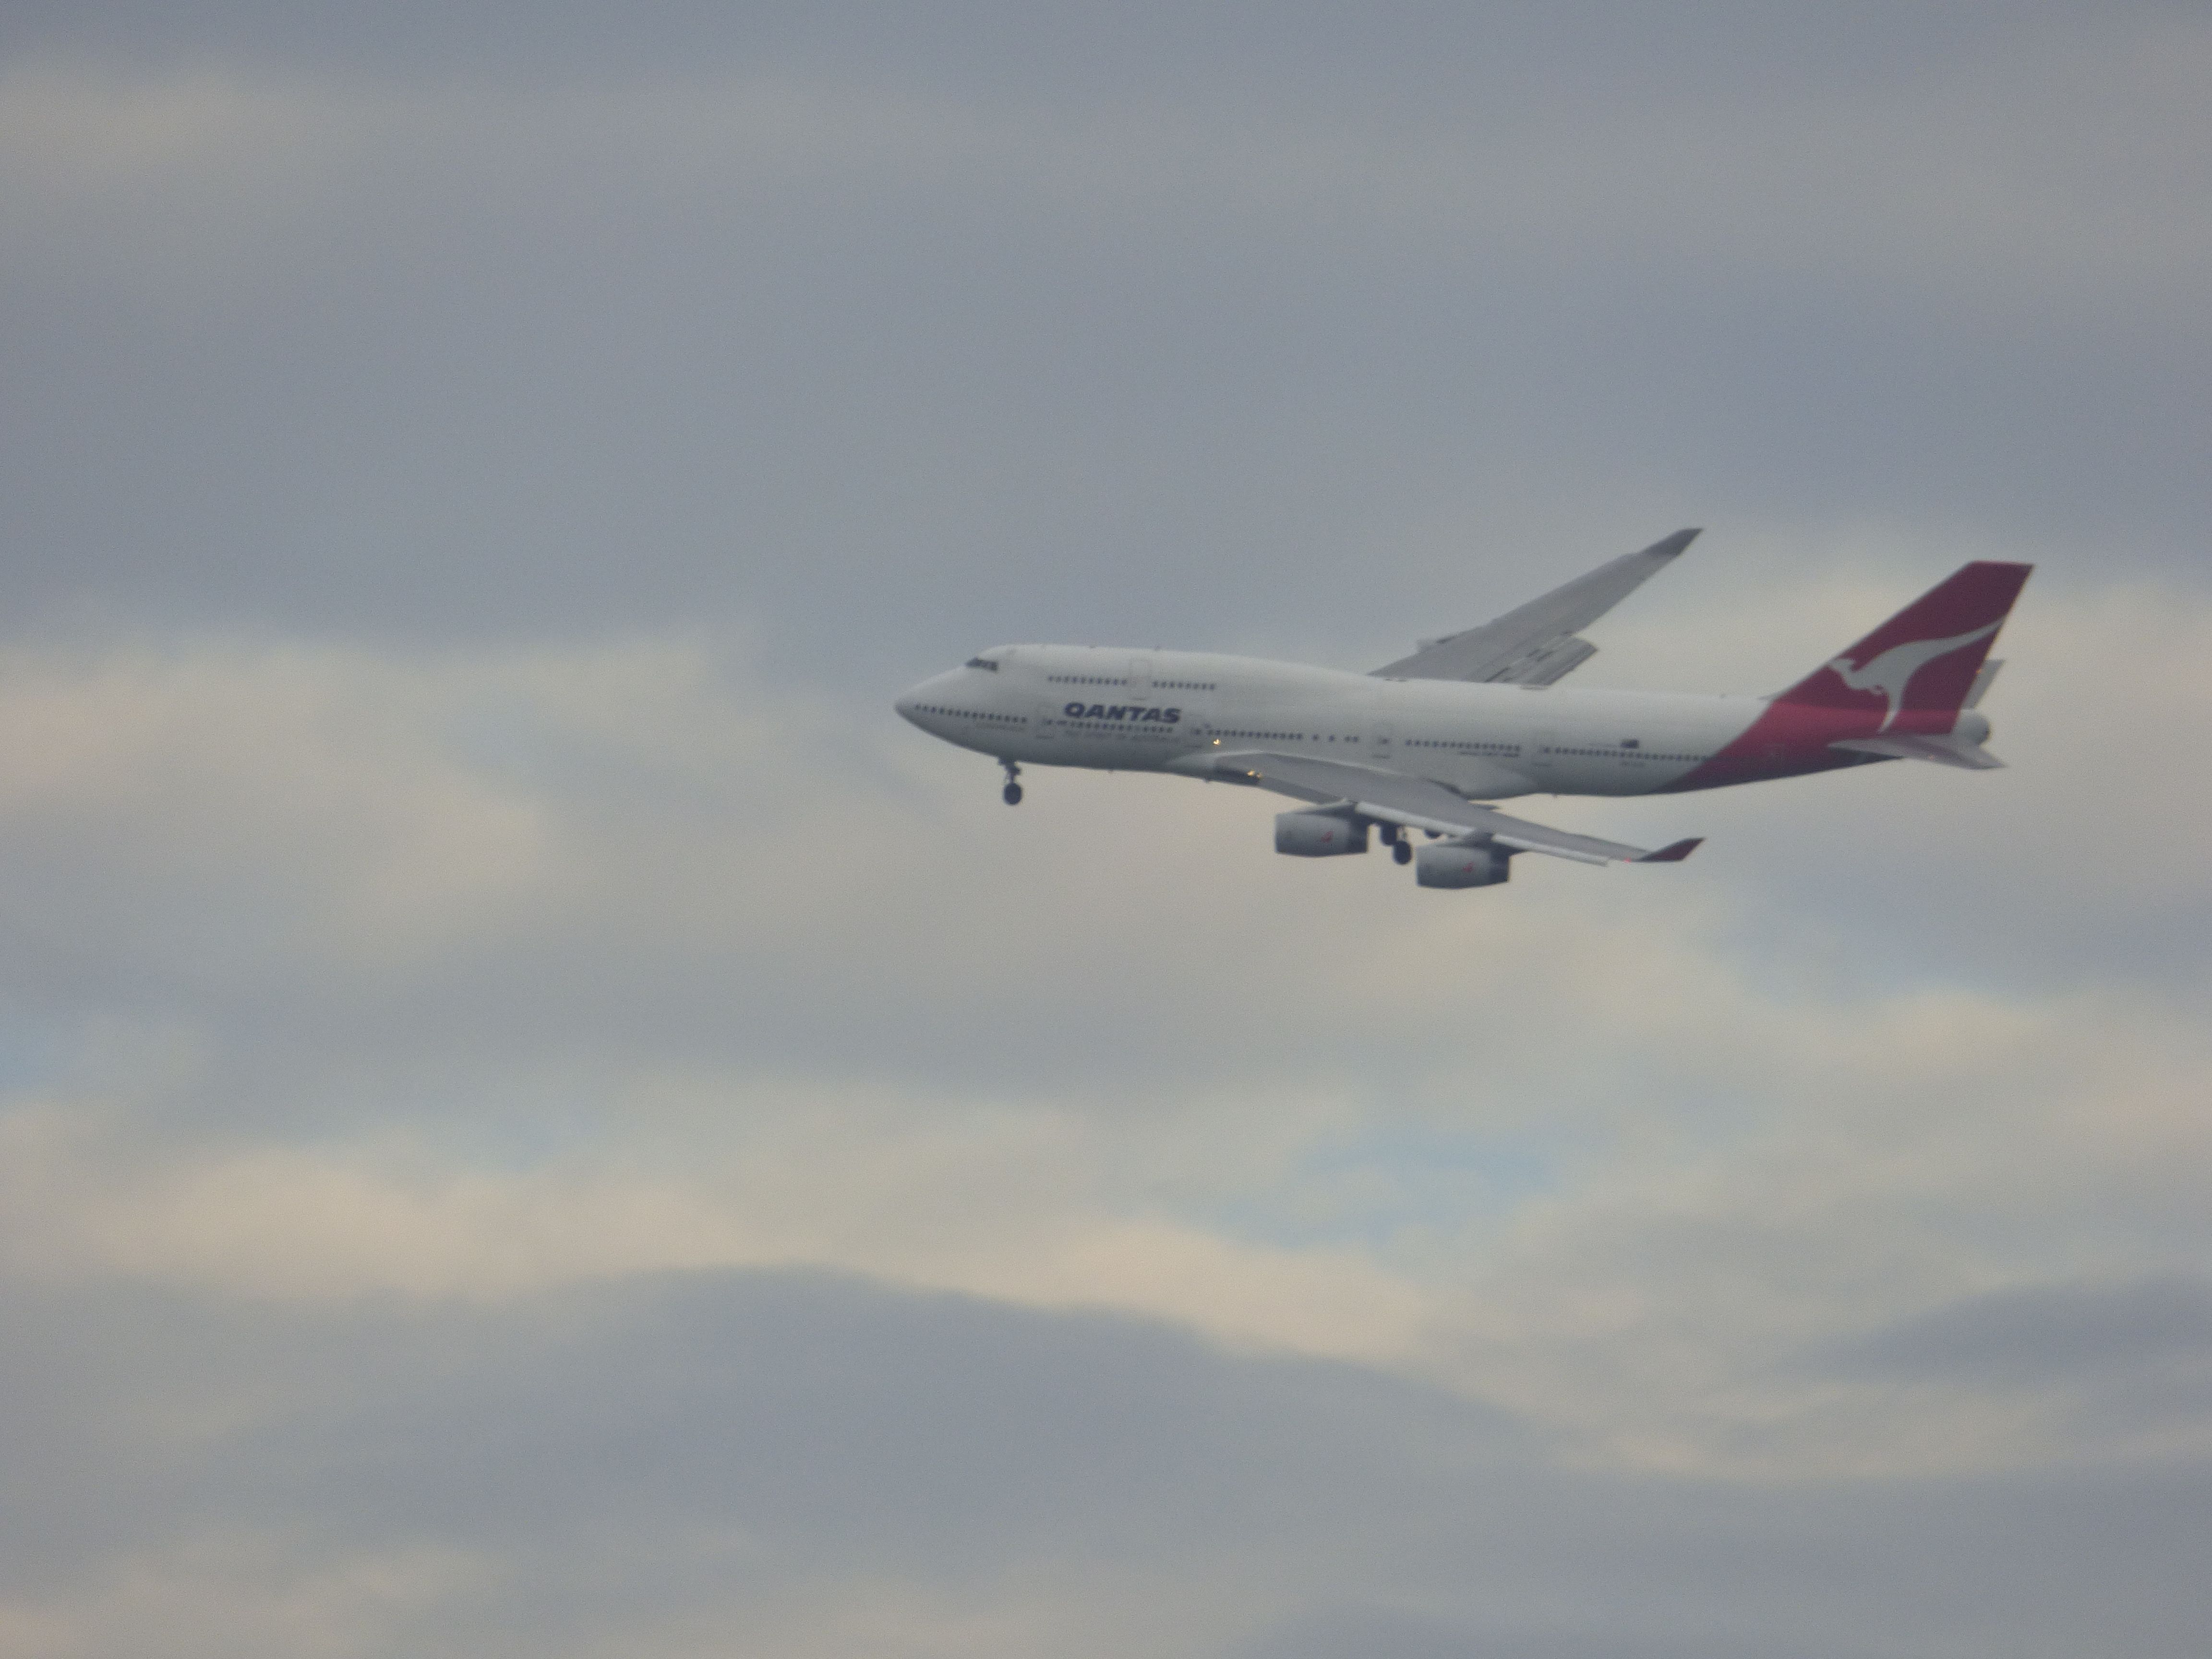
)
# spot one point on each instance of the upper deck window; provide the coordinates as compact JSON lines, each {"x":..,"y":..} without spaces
{"x":982,"y":662}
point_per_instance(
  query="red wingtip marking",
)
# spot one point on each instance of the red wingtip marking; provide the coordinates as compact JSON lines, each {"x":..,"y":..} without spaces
{"x":1674,"y":853}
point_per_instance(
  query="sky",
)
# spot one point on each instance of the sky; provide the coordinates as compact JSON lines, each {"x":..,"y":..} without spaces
{"x":537,"y":1116}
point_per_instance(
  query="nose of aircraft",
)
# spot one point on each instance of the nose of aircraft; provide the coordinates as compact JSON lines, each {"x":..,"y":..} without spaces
{"x":908,"y":702}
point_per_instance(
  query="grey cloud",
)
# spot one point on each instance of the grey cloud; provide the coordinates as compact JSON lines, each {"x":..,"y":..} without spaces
{"x":2124,"y":1368}
{"x":1421,"y":50}
{"x":2049,"y":1336}
{"x":1389,"y":1633}
{"x":730,"y":1454}
{"x":997,"y":363}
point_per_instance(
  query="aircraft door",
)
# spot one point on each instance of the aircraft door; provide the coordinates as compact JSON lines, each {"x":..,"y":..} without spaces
{"x":1380,"y":754}
{"x":1543,"y":749}
{"x":1140,"y":677}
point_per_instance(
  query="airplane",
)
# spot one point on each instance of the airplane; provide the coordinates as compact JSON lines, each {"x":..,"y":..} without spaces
{"x":1427,"y":742}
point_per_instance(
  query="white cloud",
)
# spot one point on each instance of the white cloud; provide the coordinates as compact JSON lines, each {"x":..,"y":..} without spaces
{"x":994,"y":1205}
{"x":217,"y":1593}
{"x":696,"y":977}
{"x":252,"y":811}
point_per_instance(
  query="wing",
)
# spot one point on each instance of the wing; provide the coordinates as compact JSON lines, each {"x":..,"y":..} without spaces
{"x":1536,"y":644}
{"x":1389,"y":797}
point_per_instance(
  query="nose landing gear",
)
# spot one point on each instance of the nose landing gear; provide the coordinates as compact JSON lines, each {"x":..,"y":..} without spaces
{"x":1011,"y":794}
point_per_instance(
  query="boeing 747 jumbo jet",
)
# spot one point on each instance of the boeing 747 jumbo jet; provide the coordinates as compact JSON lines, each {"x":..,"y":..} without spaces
{"x":1425,"y":742}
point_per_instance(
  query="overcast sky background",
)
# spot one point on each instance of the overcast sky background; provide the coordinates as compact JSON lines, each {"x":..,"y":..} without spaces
{"x":538,"y":1118}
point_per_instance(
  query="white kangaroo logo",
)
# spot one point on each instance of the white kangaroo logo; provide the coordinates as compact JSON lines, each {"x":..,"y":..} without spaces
{"x":1893,"y":671}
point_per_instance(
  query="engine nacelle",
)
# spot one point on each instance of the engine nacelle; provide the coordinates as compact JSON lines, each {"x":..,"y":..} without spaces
{"x":1460,"y":864}
{"x":1319,"y":834}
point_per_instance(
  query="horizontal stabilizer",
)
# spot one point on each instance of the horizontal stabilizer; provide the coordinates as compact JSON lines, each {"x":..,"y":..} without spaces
{"x":1944,"y":750}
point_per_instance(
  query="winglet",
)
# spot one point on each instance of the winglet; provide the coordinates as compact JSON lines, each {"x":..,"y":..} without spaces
{"x":1674,"y":854}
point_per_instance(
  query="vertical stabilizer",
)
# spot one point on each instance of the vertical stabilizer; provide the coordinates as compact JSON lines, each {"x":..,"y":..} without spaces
{"x":1918,"y":670}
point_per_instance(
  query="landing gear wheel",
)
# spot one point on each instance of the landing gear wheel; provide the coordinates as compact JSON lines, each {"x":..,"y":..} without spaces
{"x":1011,"y":794}
{"x":1402,"y":851}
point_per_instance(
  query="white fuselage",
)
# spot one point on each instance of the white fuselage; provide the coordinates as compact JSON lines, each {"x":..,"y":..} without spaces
{"x":1124,"y":710}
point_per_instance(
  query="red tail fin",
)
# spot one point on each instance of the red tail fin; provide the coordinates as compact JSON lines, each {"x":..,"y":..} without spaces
{"x":1913,"y":672}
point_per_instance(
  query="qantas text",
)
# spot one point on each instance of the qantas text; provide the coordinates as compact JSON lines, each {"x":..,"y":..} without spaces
{"x":1099,"y":711}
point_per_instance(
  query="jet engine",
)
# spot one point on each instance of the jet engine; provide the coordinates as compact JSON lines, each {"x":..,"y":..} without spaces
{"x":1460,"y":864}
{"x":1319,"y":834}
